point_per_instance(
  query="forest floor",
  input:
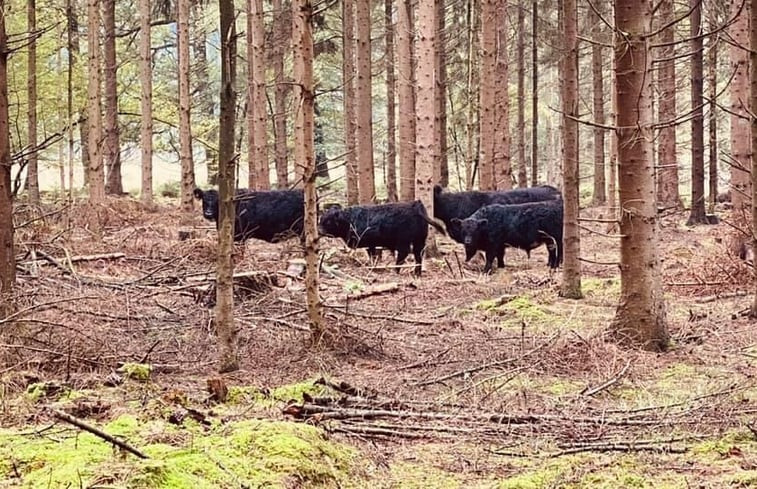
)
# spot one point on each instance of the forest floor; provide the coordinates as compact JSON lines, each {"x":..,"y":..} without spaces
{"x":454,"y":379}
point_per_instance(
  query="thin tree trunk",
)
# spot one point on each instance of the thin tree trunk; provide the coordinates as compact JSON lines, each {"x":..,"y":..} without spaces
{"x":96,"y":174}
{"x":426,"y":140}
{"x":112,"y":151}
{"x":406,"y":100}
{"x":256,"y":106}
{"x":599,"y":196}
{"x":521,"y":126}
{"x":228,"y":353}
{"x":442,"y":166}
{"x":640,"y":317}
{"x":753,"y":94}
{"x":205,"y":98}
{"x":7,"y":256}
{"x":391,"y":126}
{"x":713,"y":119}
{"x":32,"y":176}
{"x":280,"y":117}
{"x":741,"y":151}
{"x":185,"y":128}
{"x":470,"y":119}
{"x":502,"y":168}
{"x":667,"y":157}
{"x":348,"y":82}
{"x":697,"y":215}
{"x":70,"y":96}
{"x":571,"y":276}
{"x":145,"y":78}
{"x":364,"y":126}
{"x":302,"y":43}
{"x":487,"y":97}
{"x":534,"y":94}
{"x":612,"y":185}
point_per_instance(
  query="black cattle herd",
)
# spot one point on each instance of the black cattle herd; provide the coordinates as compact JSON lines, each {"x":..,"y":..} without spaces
{"x":524,"y":218}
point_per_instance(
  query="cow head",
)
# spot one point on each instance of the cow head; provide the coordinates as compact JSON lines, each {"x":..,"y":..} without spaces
{"x":334,"y":223}
{"x":209,"y":200}
{"x":471,"y":232}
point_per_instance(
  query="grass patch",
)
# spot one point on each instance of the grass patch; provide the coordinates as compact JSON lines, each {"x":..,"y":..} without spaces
{"x":284,"y":393}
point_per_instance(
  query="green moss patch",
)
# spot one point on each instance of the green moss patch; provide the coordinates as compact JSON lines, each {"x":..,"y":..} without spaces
{"x":284,"y":393}
{"x":136,"y":371}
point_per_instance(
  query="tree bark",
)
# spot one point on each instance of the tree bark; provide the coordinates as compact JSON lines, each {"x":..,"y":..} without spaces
{"x":503,"y":178}
{"x":713,"y":119}
{"x":470,"y":117}
{"x":426,"y":149}
{"x":667,"y":157}
{"x":640,"y":317}
{"x":697,"y":214}
{"x":7,"y":256}
{"x":228,"y":354}
{"x":487,"y":98}
{"x":73,"y":54}
{"x":185,"y":128}
{"x":599,"y":196}
{"x":521,"y":125}
{"x":571,"y":276}
{"x":112,"y":150}
{"x":145,"y":78}
{"x":406,"y":100}
{"x":441,"y":169}
{"x":280,"y":116}
{"x":256,"y":106}
{"x":302,"y":43}
{"x":32,"y":176}
{"x":363,"y":94}
{"x":753,"y":95}
{"x":391,"y":125}
{"x":534,"y":94}
{"x":206,"y":98}
{"x":349,"y":98}
{"x":741,"y":151}
{"x":96,"y":175}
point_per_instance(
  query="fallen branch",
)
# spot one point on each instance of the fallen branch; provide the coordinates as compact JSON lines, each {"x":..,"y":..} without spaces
{"x":97,"y":432}
{"x":608,"y":383}
{"x":619,"y":447}
{"x":717,"y":297}
{"x":379,"y":289}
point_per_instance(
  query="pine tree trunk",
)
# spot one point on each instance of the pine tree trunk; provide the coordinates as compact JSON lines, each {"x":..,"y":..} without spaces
{"x":406,"y":89}
{"x":391,"y":125}
{"x":185,"y":129}
{"x":94,"y":120}
{"x":112,"y":151}
{"x":7,"y":256}
{"x":257,"y":112}
{"x":32,"y":176}
{"x":502,"y":169}
{"x":599,"y":196}
{"x":753,"y":96}
{"x":205,"y":97}
{"x":364,"y":126}
{"x":302,"y":44}
{"x":70,"y":96}
{"x":145,"y":78}
{"x":228,"y":353}
{"x":534,"y":94}
{"x":442,"y":166}
{"x":280,"y":117}
{"x":713,"y":119}
{"x":426,"y":140}
{"x":571,"y":276}
{"x":640,"y":317}
{"x":349,"y":82}
{"x":697,"y":215}
{"x":521,"y":126}
{"x":612,"y":184}
{"x":470,"y":118}
{"x":741,"y":151}
{"x":487,"y":99}
{"x":667,"y":157}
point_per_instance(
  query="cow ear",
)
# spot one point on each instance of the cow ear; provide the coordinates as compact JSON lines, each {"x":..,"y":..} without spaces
{"x":198,"y":193}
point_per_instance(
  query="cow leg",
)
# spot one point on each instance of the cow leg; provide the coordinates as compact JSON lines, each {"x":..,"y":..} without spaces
{"x":373,"y":256}
{"x":418,"y":254}
{"x":501,"y":257}
{"x":490,"y":255}
{"x":402,"y":252}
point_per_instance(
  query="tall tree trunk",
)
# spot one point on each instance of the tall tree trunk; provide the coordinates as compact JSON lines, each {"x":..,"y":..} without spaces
{"x":753,"y":94}
{"x":112,"y":150}
{"x":534,"y":94}
{"x":70,"y":95}
{"x":391,"y":125}
{"x":612,"y":184}
{"x":426,"y":141}
{"x":185,"y":129}
{"x":713,"y":118}
{"x":521,"y":127}
{"x":228,"y":353}
{"x":364,"y":127}
{"x":470,"y":116}
{"x":302,"y":44}
{"x":7,"y":256}
{"x":487,"y":98}
{"x":599,"y":196}
{"x":442,"y":166}
{"x":256,"y":106}
{"x":697,"y":215}
{"x":502,"y":169}
{"x":667,"y":157}
{"x":32,"y":176}
{"x":348,"y":83}
{"x":406,"y":100}
{"x":571,"y":276}
{"x":145,"y":78}
{"x":741,"y":151}
{"x":279,"y":117}
{"x":640,"y":317}
{"x":205,"y":98}
{"x":96,"y":175}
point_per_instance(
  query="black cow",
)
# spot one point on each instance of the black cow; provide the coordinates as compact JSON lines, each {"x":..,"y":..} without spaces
{"x":524,"y":226}
{"x":395,"y":226}
{"x":459,"y":205}
{"x":271,"y":215}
